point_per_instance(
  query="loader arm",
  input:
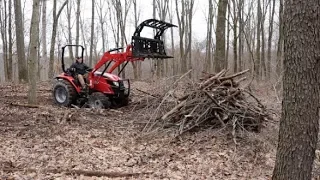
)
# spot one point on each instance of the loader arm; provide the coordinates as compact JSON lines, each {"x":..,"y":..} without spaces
{"x":118,"y":58}
{"x":139,"y":49}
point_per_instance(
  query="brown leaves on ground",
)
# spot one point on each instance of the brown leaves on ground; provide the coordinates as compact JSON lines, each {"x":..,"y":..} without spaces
{"x":49,"y":138}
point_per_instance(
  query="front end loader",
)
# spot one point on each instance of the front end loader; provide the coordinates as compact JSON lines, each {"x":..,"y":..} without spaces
{"x":106,"y":89}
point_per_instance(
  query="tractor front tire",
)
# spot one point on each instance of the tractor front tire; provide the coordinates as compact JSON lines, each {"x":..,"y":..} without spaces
{"x":98,"y":100}
{"x":64,"y":93}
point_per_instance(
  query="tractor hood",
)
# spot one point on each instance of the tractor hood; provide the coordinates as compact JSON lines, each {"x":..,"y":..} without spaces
{"x":110,"y":76}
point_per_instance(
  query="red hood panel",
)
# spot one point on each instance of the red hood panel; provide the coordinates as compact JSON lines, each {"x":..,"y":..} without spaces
{"x":110,"y":76}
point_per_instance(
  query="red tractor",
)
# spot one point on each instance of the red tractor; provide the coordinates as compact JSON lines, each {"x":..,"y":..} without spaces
{"x":107,"y":90}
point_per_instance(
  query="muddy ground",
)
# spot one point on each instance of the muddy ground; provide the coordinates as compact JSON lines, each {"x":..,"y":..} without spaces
{"x":48,"y":142}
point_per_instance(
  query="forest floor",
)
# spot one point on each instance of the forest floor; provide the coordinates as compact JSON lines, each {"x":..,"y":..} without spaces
{"x":48,"y":142}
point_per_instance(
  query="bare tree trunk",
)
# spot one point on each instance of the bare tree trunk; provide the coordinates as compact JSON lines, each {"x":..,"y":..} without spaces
{"x":263,"y":52}
{"x":235,"y":37}
{"x":10,"y":44}
{"x":44,"y":35}
{"x":34,"y":46}
{"x":136,"y":65}
{"x":228,"y":35}
{"x":299,"y":124}
{"x":170,"y":13}
{"x":208,"y":62}
{"x":258,"y":47}
{"x":189,"y":50}
{"x":22,"y":63}
{"x":220,"y":53}
{"x":69,"y":12}
{"x":241,"y":36}
{"x":54,"y":33}
{"x":181,"y":25}
{"x":92,"y":34}
{"x":280,"y":40}
{"x":162,"y":6}
{"x":78,"y":26}
{"x":270,"y":38}
{"x":3,"y":25}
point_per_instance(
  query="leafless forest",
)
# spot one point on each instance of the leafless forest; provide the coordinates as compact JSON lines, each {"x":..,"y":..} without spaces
{"x":251,"y":37}
{"x":213,"y":111}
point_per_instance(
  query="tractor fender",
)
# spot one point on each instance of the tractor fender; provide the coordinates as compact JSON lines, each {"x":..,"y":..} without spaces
{"x":69,"y":79}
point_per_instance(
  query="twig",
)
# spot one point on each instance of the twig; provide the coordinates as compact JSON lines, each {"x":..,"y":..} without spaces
{"x":117,"y":111}
{"x":78,"y":172}
{"x":222,"y":123}
{"x":77,"y":107}
{"x":240,"y":80}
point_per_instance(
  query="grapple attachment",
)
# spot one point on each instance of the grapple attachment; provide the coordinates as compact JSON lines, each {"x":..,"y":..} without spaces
{"x":143,"y":47}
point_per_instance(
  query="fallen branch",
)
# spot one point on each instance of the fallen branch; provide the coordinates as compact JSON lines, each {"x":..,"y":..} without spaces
{"x":177,"y":107}
{"x":78,"y":172}
{"x":217,"y":101}
{"x":211,"y":79}
{"x":234,"y":75}
{"x":24,"y":105}
{"x":147,"y":93}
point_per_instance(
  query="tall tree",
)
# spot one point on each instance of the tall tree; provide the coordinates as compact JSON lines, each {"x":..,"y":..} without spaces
{"x":122,"y":11}
{"x":44,"y":36}
{"x":189,"y":6}
{"x":10,"y":43}
{"x":77,"y":26}
{"x":54,"y":34}
{"x":174,"y":69}
{"x":136,"y":65}
{"x":69,"y":14}
{"x":220,"y":53}
{"x":208,"y":62}
{"x":22,"y":63}
{"x":33,"y":51}
{"x":241,"y":35}
{"x":280,"y":40}
{"x":162,"y":7}
{"x":271,"y":19}
{"x":235,"y":36}
{"x":181,"y":26}
{"x":3,"y":31}
{"x":299,"y":124}
{"x":92,"y":34}
{"x":258,"y":47}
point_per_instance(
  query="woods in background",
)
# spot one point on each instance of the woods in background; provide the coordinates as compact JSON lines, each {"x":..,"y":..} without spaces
{"x":239,"y":35}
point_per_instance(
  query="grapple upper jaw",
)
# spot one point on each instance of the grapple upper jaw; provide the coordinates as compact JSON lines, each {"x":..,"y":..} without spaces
{"x":150,"y":48}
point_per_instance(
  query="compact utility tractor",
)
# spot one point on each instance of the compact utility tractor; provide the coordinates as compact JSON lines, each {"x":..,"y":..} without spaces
{"x":108,"y":90}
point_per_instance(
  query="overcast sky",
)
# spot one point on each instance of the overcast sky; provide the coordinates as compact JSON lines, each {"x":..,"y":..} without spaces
{"x":199,"y":22}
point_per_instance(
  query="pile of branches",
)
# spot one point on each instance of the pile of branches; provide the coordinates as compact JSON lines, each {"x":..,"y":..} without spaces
{"x":216,"y":101}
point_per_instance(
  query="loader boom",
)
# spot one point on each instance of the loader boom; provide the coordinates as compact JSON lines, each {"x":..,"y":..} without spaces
{"x":140,"y":47}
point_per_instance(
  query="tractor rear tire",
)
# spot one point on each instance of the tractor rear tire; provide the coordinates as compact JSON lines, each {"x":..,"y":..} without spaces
{"x":64,"y":93}
{"x":98,"y":100}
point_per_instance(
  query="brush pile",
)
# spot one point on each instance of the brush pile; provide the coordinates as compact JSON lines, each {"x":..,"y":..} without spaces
{"x":216,"y":101}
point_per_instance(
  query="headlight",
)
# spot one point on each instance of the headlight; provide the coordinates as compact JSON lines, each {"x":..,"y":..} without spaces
{"x":116,"y":83}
